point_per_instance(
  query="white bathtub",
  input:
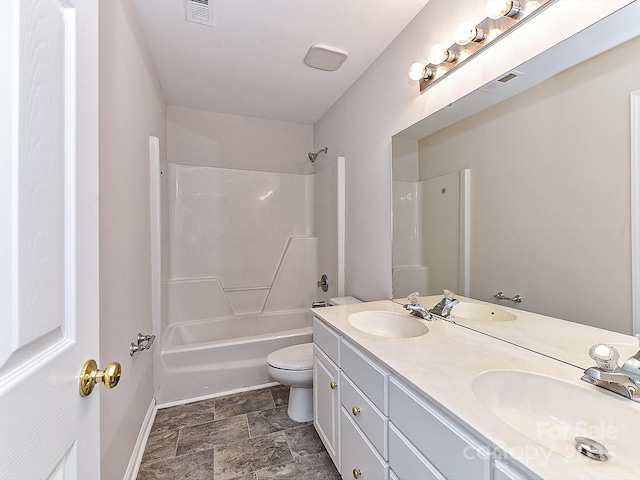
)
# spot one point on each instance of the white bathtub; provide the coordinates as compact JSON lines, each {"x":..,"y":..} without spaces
{"x":217,"y":355}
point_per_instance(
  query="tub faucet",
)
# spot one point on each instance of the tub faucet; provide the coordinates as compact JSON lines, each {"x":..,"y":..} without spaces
{"x":416,"y":308}
{"x":607,"y":374}
{"x":444,"y":306}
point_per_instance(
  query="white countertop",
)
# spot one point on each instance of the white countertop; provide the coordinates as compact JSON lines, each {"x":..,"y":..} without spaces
{"x":442,"y":365}
{"x":556,"y":338}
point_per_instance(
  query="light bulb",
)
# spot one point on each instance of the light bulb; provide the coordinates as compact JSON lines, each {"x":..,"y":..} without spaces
{"x":416,"y":71}
{"x":530,"y":7}
{"x":499,"y":8}
{"x":467,"y":32}
{"x":440,"y":54}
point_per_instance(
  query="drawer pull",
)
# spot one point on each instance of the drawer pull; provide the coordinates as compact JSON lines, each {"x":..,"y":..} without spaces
{"x":333,"y":385}
{"x":356,"y":473}
{"x":355,"y":411}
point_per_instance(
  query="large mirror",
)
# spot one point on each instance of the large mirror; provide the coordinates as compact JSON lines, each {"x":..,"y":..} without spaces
{"x":550,"y":171}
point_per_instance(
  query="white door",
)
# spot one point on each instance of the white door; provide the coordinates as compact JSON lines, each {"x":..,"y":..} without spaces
{"x":48,"y":237}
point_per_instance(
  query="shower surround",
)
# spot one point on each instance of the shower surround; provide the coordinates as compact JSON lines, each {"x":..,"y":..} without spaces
{"x":241,"y":276}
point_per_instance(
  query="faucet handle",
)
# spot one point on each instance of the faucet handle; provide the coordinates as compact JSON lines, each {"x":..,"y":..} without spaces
{"x":448,"y":294}
{"x":606,"y":356}
{"x":414,"y":298}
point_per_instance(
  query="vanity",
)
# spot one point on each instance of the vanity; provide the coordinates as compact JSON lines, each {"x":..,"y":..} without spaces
{"x":400,"y":398}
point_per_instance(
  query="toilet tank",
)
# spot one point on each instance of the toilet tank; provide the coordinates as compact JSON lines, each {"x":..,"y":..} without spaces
{"x":343,"y":301}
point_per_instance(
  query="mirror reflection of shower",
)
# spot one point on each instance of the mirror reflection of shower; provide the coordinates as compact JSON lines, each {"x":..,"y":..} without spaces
{"x":313,"y":156}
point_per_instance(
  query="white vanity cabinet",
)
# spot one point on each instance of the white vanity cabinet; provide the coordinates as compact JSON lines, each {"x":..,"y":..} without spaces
{"x":326,"y":391}
{"x":502,"y":470}
{"x":364,"y":421}
{"x":442,"y":447}
{"x":377,"y":426}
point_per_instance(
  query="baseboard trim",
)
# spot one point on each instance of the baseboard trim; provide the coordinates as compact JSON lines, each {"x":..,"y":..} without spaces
{"x":214,"y":395}
{"x":141,"y":442}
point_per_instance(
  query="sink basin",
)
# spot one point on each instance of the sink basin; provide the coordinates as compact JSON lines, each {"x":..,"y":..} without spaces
{"x":482,"y":313}
{"x":388,"y":324}
{"x":553,"y":412}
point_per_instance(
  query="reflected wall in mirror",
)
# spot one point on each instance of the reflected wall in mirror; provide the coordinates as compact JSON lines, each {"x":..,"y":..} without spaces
{"x":430,"y":221}
{"x":551,"y":191}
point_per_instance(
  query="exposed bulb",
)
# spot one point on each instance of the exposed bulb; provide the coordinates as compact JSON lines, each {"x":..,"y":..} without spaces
{"x":440,"y":54}
{"x":499,"y":8}
{"x":467,"y":32}
{"x":530,"y":7}
{"x":416,"y":71}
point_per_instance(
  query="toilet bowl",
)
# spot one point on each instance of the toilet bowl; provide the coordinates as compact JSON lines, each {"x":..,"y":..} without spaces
{"x":293,"y":366}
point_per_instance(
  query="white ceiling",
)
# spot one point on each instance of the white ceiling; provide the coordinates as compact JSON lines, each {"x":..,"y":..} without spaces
{"x":251,"y":62}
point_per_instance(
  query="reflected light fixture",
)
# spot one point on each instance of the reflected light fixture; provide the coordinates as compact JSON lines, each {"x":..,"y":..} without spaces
{"x":503,"y":16}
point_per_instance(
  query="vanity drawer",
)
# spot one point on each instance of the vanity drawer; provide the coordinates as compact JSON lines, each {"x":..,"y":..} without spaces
{"x":453,"y":451}
{"x":359,"y":457}
{"x":406,"y":461}
{"x":370,"y":420}
{"x":326,"y":339}
{"x":371,"y":378}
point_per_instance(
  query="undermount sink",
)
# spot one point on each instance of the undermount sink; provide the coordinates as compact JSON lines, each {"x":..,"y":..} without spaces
{"x":552,"y":413}
{"x":482,"y":313}
{"x":388,"y":324}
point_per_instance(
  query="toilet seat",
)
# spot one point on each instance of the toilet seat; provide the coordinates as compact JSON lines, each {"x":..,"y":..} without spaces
{"x":296,"y":357}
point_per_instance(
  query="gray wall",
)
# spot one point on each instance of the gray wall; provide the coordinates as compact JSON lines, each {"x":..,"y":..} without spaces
{"x":383,"y":101}
{"x":132,"y":108}
{"x":551,"y":191}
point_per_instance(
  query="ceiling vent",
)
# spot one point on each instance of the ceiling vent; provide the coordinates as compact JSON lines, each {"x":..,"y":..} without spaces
{"x":199,"y":11}
{"x":500,"y":81}
{"x":325,"y":58}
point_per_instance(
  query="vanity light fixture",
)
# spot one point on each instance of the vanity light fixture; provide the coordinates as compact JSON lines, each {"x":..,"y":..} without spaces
{"x":439,"y":54}
{"x":419,"y":70}
{"x":503,"y":8}
{"x":503,"y":16}
{"x":467,"y":32}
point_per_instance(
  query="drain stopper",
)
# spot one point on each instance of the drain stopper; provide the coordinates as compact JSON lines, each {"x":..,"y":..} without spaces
{"x":592,"y":449}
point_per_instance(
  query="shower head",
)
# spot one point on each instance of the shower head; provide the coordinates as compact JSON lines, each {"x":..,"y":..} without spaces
{"x":313,"y":156}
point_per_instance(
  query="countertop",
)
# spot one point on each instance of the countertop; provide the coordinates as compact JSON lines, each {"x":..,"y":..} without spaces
{"x":442,"y":366}
{"x":556,"y":338}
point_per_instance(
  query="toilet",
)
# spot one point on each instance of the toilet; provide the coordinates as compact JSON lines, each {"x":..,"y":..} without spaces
{"x":293,"y":366}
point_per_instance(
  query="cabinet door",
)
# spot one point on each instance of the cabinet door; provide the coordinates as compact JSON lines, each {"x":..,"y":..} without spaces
{"x":326,"y":403}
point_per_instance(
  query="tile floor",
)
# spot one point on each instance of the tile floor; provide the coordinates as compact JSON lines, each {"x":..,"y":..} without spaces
{"x":244,"y":436}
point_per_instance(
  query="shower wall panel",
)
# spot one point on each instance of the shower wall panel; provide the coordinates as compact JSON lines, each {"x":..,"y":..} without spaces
{"x":233,"y":227}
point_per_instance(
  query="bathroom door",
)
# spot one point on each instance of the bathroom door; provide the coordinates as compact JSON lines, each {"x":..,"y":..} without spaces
{"x":48,"y":237}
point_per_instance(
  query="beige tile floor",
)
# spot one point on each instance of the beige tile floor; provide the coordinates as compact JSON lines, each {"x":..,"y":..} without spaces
{"x":245,"y":436}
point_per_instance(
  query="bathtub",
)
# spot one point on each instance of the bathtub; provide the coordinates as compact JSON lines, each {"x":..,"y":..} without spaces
{"x":222,"y":354}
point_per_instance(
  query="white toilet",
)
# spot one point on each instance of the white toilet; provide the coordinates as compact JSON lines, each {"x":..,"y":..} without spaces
{"x":293,"y":366}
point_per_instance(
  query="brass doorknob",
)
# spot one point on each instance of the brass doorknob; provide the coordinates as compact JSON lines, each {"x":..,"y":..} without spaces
{"x":355,"y":411}
{"x":90,"y":375}
{"x":356,"y":473}
{"x":333,"y":385}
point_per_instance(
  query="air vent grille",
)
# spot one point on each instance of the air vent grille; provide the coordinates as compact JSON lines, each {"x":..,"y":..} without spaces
{"x":500,"y":81}
{"x":199,"y":11}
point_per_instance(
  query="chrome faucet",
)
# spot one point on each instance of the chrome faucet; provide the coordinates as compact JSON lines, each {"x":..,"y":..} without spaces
{"x":444,"y":306}
{"x":416,"y":308}
{"x":607,"y":374}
